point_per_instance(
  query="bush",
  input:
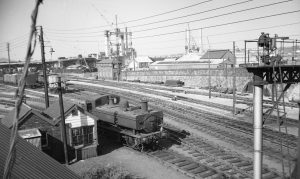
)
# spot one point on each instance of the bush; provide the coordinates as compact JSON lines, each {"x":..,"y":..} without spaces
{"x":107,"y":172}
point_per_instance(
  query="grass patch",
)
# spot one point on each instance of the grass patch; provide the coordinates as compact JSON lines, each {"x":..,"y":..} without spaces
{"x":107,"y":172}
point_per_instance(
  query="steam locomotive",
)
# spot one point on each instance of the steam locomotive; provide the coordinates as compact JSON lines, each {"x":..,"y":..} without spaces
{"x":135,"y":126}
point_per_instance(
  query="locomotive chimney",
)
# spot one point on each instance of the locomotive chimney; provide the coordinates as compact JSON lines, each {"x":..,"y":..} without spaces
{"x":144,"y":105}
{"x":111,"y":100}
{"x":124,"y":105}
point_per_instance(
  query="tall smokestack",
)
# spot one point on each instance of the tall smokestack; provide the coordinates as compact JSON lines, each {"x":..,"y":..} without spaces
{"x":107,"y":43}
{"x":144,"y":105}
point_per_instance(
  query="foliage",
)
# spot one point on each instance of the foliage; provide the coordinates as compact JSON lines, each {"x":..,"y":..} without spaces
{"x":107,"y":172}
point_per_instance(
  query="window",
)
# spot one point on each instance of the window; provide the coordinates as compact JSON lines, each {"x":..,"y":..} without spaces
{"x":74,"y":112}
{"x":44,"y":138}
{"x":82,"y":135}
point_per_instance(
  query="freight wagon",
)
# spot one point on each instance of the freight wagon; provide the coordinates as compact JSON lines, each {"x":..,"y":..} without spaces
{"x":13,"y":79}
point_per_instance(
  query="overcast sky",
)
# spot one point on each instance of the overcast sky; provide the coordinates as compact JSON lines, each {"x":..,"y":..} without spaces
{"x":75,"y":27}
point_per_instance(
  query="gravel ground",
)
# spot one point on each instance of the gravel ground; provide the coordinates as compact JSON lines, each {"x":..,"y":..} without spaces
{"x":137,"y":164}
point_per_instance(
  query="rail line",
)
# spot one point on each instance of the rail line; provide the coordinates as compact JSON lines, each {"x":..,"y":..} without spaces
{"x":142,"y":88}
{"x":272,"y":136}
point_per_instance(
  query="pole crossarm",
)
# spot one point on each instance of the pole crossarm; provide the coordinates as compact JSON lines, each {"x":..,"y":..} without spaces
{"x":263,"y":75}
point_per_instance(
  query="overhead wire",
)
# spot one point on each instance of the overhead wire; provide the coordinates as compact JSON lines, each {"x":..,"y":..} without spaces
{"x":175,"y":10}
{"x":95,"y":27}
{"x":201,"y":12}
{"x":219,"y":25}
{"x":232,"y":32}
{"x":220,"y":15}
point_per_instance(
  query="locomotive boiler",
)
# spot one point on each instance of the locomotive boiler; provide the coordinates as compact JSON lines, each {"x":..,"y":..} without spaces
{"x":136,"y":126}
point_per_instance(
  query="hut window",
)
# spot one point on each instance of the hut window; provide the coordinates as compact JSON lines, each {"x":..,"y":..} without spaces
{"x":74,"y":112}
{"x":44,"y":138}
{"x":82,"y":135}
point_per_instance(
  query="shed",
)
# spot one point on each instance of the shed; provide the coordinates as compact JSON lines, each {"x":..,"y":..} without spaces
{"x":219,"y":58}
{"x":81,"y":128}
{"x":30,"y":162}
{"x":49,"y":124}
{"x":140,"y":63}
{"x":108,"y":69}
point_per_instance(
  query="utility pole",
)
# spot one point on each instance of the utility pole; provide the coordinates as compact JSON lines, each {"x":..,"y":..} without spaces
{"x":298,"y":146}
{"x":8,"y":55}
{"x":201,"y":42}
{"x":132,"y":55}
{"x":63,"y":125}
{"x":245,"y":50}
{"x":117,"y":45}
{"x":209,"y":76}
{"x":126,"y":38}
{"x":234,"y":80}
{"x":44,"y":67}
{"x":248,"y":55}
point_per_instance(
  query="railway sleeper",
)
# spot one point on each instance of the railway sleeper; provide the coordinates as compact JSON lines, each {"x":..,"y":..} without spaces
{"x":177,"y":160}
{"x":201,"y":157}
{"x":207,"y":173}
{"x":190,"y":166}
{"x":234,"y":161}
{"x":167,"y":158}
{"x":197,"y":154}
{"x":183,"y":163}
{"x":243,"y":164}
{"x":198,"y":170}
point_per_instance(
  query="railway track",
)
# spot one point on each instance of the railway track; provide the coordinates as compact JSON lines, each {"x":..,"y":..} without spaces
{"x":144,"y":89}
{"x":231,"y":164}
{"x":244,"y":127}
{"x":237,"y":168}
{"x":222,"y":130}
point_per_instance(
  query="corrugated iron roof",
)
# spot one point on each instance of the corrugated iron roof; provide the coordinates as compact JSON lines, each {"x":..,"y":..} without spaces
{"x":8,"y":119}
{"x":215,"y":54}
{"x":24,"y":112}
{"x":30,"y":162}
{"x":53,"y":111}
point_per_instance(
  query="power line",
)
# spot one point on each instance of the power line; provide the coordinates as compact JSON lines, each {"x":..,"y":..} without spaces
{"x":255,"y":29}
{"x":179,"y":17}
{"x":218,"y":25}
{"x":233,"y":32}
{"x":230,"y":13}
{"x":96,"y":27}
{"x":78,"y":36}
{"x":169,"y":11}
{"x":16,"y":39}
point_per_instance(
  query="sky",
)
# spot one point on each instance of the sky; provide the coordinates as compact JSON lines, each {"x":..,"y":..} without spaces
{"x":73,"y":27}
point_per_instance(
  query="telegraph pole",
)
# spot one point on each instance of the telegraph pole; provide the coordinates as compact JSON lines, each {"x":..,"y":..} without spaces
{"x":44,"y":67}
{"x":63,"y":125}
{"x":201,"y":42}
{"x":117,"y":45}
{"x":209,"y":76}
{"x":8,"y":55}
{"x":234,"y":80}
{"x":126,"y":37}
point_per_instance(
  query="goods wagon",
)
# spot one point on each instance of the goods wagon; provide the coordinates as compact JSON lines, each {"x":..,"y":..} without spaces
{"x":13,"y":79}
{"x":175,"y":83}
